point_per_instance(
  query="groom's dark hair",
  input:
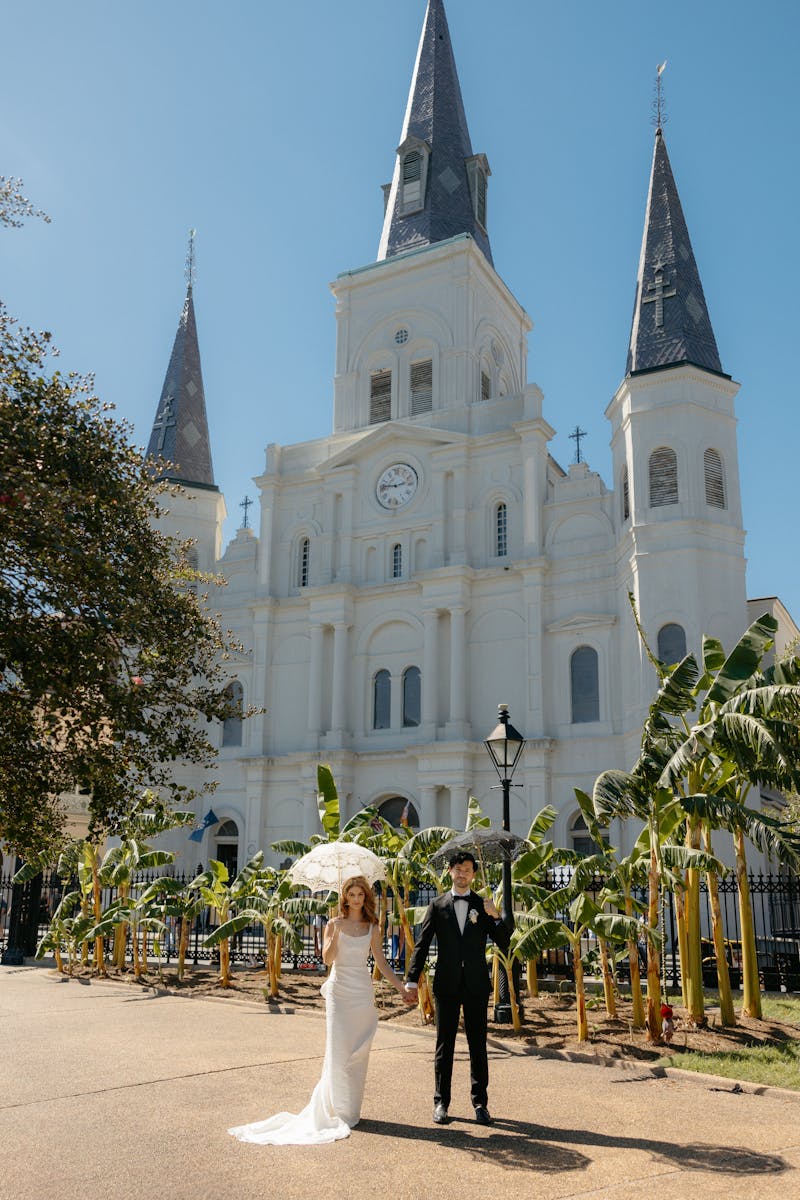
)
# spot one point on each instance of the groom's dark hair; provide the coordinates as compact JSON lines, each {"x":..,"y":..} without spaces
{"x":462,"y":856}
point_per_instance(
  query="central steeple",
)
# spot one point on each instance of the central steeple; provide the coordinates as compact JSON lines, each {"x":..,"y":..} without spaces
{"x":439,"y":188}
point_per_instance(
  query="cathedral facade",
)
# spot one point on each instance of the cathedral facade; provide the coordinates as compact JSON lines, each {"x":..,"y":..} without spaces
{"x":428,"y":559}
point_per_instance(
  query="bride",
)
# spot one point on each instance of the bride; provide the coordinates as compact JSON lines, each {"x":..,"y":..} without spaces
{"x":351,"y":1018}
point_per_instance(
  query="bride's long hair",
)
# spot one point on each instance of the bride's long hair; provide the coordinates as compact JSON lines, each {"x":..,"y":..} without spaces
{"x":370,"y":910}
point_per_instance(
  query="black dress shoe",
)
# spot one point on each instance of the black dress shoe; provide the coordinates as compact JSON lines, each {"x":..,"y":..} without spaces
{"x":440,"y":1116}
{"x":483,"y":1116}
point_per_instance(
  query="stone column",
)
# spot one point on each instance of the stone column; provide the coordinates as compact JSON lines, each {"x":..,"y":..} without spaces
{"x":458,"y":665}
{"x":341,"y":674}
{"x":427,"y":806}
{"x":315,"y":681}
{"x":430,"y":672}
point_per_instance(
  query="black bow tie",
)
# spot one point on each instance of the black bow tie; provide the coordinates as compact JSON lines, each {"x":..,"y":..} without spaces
{"x":464,"y":898}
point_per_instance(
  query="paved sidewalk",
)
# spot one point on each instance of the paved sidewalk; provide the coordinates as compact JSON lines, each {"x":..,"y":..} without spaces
{"x":107,"y":1093}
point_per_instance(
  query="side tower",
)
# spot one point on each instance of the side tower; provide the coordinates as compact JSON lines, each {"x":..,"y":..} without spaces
{"x":180,"y":436}
{"x":674,"y":450}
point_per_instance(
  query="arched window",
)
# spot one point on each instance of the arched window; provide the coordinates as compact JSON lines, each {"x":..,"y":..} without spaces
{"x":663,"y":477}
{"x":399,"y":811}
{"x":232,"y":725}
{"x":382,"y":701}
{"x":303,"y":561}
{"x":584,"y":685}
{"x":582,"y":841}
{"x":501,"y":530}
{"x":715,"y":479}
{"x":397,"y":561}
{"x":411,"y":697}
{"x":625,"y":489}
{"x":671,"y":644}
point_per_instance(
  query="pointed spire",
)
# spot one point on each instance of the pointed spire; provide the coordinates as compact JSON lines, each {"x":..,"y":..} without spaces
{"x":180,"y":430}
{"x":450,"y":193}
{"x":671,"y":324}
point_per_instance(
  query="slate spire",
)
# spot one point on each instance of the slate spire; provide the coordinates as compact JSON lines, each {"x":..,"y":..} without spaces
{"x":671,"y":324}
{"x":180,"y":430}
{"x":451,"y":194}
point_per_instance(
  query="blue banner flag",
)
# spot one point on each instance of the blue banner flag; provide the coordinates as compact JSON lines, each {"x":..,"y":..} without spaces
{"x":210,"y":818}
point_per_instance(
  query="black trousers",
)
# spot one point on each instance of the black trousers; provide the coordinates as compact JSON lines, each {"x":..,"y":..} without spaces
{"x":448,"y":1009}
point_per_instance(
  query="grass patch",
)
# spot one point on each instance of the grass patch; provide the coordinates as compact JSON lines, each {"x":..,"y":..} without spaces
{"x":774,"y":1066}
{"x":780,"y":1007}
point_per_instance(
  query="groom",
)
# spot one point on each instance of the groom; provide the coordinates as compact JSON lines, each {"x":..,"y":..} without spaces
{"x":461,"y":921}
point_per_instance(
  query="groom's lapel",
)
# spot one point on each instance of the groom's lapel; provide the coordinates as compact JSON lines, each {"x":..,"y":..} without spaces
{"x":450,"y":911}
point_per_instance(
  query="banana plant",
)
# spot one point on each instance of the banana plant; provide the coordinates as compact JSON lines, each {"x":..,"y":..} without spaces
{"x":66,"y":932}
{"x":744,"y":733}
{"x":564,"y":918}
{"x":225,"y":896}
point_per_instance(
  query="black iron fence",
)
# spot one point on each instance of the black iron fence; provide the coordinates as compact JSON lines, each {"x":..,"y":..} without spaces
{"x":26,"y":910}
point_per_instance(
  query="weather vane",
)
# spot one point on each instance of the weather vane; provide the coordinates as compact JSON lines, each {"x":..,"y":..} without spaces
{"x":245,"y":504}
{"x":659,"y":107}
{"x":576,"y":437}
{"x":191,"y":269}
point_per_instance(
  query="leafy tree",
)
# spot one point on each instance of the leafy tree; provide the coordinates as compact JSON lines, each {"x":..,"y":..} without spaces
{"x":107,"y":661}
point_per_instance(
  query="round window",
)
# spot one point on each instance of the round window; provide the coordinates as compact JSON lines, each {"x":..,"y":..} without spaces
{"x":401,"y":337}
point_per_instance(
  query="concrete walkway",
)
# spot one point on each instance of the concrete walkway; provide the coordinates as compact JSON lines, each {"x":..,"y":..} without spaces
{"x":108,"y":1093}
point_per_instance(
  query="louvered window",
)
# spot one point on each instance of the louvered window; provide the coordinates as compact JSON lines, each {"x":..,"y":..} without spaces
{"x":626,"y":503}
{"x":477,"y":174}
{"x":671,"y":644}
{"x":303,"y":560}
{"x":232,"y":725}
{"x":584,"y":685}
{"x":486,"y":385}
{"x":380,"y":396}
{"x":411,"y":697}
{"x":382,"y":701}
{"x":421,"y":387}
{"x":715,"y":479}
{"x":397,"y":561}
{"x":480,"y":198}
{"x":501,"y":530}
{"x":663,"y":477}
{"x":412,"y":181}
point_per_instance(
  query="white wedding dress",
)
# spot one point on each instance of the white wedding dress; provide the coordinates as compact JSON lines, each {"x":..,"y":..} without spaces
{"x":351,"y":1018}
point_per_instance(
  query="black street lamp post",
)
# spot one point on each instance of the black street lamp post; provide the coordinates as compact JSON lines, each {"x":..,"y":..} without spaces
{"x":505,"y":745}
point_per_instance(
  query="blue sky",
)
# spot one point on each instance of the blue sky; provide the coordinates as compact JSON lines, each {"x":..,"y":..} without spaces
{"x":269,"y":127}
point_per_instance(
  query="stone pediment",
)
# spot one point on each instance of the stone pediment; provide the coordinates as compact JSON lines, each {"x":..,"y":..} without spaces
{"x":395,"y":435}
{"x":580,"y":622}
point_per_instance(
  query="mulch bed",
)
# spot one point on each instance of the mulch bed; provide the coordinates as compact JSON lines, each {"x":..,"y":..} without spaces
{"x":549,"y":1020}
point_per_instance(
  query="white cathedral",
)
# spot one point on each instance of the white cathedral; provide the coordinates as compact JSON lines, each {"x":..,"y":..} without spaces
{"x":428,"y":558}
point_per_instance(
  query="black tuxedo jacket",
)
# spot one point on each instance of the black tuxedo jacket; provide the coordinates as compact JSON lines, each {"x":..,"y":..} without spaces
{"x":461,"y":960}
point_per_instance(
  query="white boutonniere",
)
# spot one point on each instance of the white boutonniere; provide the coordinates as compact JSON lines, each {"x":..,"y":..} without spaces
{"x":473,"y":916}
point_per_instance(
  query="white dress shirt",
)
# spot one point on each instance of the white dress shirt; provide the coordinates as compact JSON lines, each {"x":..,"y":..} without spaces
{"x":461,"y":909}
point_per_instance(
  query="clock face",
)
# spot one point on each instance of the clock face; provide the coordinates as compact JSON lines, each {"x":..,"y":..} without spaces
{"x":396,"y":485}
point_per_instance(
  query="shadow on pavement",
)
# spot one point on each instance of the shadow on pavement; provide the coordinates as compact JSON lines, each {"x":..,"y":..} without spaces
{"x":515,"y":1144}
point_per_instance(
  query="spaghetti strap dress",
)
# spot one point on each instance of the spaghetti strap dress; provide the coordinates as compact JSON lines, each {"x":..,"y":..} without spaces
{"x":351,"y":1022}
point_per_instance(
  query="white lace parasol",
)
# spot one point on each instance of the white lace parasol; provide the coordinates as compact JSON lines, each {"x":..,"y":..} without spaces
{"x":329,"y":864}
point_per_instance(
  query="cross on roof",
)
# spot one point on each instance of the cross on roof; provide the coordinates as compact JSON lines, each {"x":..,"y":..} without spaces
{"x":576,"y":436}
{"x":245,"y":504}
{"x":659,"y":294}
{"x":165,"y":420}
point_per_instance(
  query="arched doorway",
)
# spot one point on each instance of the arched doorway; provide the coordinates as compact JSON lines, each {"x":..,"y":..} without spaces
{"x":227,"y":842}
{"x":397,"y":810}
